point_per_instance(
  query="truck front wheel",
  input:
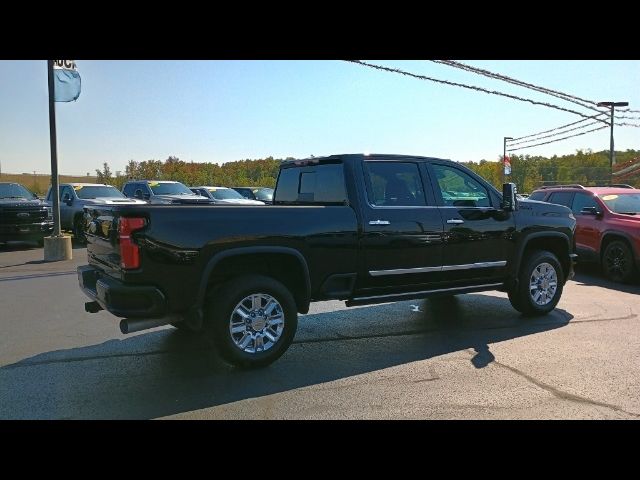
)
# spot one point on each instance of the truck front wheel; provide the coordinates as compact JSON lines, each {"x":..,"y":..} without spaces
{"x":540,"y":284}
{"x":251,"y":320}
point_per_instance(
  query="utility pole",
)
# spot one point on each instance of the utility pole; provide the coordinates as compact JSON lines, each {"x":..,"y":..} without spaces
{"x":504,"y":156}
{"x":612,"y":153}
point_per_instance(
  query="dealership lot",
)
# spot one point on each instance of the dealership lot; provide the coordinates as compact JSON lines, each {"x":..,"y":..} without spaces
{"x":468,"y":357}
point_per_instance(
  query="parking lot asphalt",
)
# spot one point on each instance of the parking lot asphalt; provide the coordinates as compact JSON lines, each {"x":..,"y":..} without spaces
{"x":469,"y":357}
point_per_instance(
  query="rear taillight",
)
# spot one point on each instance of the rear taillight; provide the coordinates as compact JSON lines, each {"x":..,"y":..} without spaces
{"x":129,"y":251}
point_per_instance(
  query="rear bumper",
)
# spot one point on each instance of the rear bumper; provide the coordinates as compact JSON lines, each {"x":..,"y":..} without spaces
{"x":120,"y":299}
{"x":29,"y":231}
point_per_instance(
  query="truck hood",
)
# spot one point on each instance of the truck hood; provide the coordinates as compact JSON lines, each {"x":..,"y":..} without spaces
{"x":182,"y":199}
{"x":114,"y":201}
{"x":238,"y":201}
{"x":542,"y":208}
{"x":631,"y":219}
{"x":21,"y":202}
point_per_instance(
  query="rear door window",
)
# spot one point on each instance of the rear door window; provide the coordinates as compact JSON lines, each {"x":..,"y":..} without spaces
{"x":394,"y":184}
{"x":129,"y":189}
{"x":537,"y":196}
{"x":562,"y":198}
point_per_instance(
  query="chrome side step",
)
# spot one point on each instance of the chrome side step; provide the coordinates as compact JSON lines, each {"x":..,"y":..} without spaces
{"x":396,"y":297}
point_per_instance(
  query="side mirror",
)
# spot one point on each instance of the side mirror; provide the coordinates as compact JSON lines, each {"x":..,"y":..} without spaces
{"x":67,"y":199}
{"x":146,"y":196}
{"x":590,"y":211}
{"x":509,"y":197}
{"x":138,"y":194}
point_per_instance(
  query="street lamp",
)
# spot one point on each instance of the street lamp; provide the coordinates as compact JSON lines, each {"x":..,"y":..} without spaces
{"x":504,"y":156}
{"x":612,"y":153}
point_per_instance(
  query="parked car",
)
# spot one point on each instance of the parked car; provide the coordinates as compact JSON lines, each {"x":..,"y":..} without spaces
{"x":362,"y":228}
{"x":263,"y":194}
{"x":165,"y":192}
{"x":224,"y":196}
{"x":75,"y":196}
{"x":23,"y":216}
{"x":608,"y":225}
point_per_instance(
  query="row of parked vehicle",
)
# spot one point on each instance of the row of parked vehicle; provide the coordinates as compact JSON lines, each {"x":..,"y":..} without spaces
{"x":25,"y":217}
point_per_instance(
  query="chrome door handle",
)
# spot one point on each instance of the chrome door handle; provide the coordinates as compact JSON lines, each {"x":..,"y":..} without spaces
{"x":455,"y":221}
{"x":379,"y":222}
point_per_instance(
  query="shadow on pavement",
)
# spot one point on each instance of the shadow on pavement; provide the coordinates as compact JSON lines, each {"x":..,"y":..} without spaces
{"x":18,"y":246}
{"x":590,"y":274}
{"x":166,"y":372}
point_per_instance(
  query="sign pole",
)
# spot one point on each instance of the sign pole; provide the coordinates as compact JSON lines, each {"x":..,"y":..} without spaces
{"x":54,"y":152}
{"x":56,"y":247}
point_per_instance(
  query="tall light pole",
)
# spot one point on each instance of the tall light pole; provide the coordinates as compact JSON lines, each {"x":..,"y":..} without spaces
{"x":504,"y":156}
{"x":612,"y":153}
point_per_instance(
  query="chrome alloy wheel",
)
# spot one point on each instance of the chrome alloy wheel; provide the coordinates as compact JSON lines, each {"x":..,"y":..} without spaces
{"x":543,"y":284}
{"x":256,"y":323}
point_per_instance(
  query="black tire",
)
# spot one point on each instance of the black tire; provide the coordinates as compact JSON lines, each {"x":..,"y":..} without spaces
{"x":220,"y":310}
{"x":40,"y":242}
{"x":617,"y":262}
{"x":514,"y":299}
{"x":78,"y":232}
{"x":522,"y":298}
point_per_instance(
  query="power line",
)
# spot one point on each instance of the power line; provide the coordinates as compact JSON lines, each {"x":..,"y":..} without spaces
{"x":555,"y":134}
{"x":564,"y":96}
{"x":583,"y":102}
{"x":559,"y":139}
{"x":557,"y":128}
{"x":470,"y":87}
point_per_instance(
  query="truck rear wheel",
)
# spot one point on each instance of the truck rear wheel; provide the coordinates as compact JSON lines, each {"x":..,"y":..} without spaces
{"x":540,"y":284}
{"x":251,"y":320}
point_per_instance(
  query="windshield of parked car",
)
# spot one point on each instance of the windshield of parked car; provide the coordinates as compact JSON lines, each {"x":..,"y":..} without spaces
{"x":14,"y":190}
{"x":225,"y":194}
{"x":97,"y":191}
{"x":170,"y":189}
{"x":264,"y":194}
{"x":628,"y":203}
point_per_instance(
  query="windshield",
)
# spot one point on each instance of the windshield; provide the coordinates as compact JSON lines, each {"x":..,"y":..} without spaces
{"x":14,"y":190}
{"x":622,"y":202}
{"x":224,"y":194}
{"x":97,"y":191}
{"x":169,"y":189}
{"x":264,"y":194}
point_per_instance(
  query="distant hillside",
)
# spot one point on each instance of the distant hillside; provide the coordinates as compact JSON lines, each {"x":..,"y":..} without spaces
{"x":40,"y":183}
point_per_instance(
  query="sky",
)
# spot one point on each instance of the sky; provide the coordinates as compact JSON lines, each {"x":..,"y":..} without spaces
{"x":219,"y":111}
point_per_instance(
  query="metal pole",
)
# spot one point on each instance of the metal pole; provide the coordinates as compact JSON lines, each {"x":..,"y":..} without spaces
{"x":612,"y":152}
{"x":504,"y":154}
{"x":55,"y":194}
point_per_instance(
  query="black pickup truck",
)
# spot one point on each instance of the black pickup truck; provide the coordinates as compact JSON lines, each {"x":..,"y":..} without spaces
{"x":361,"y":228}
{"x":23,"y":216}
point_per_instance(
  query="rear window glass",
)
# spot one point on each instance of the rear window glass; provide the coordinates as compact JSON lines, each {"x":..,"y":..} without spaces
{"x":312,"y":184}
{"x":537,"y":195}
{"x":561,"y":198}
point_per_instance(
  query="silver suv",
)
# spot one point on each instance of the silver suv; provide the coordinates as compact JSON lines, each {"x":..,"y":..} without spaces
{"x":74,"y":197}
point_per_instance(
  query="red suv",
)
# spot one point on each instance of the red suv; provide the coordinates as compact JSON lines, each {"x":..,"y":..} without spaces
{"x":608,"y":225}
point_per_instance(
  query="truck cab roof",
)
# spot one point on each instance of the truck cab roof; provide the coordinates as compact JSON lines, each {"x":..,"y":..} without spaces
{"x":360,"y":156}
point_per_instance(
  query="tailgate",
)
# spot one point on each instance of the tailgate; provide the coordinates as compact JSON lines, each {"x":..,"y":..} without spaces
{"x":103,"y":243}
